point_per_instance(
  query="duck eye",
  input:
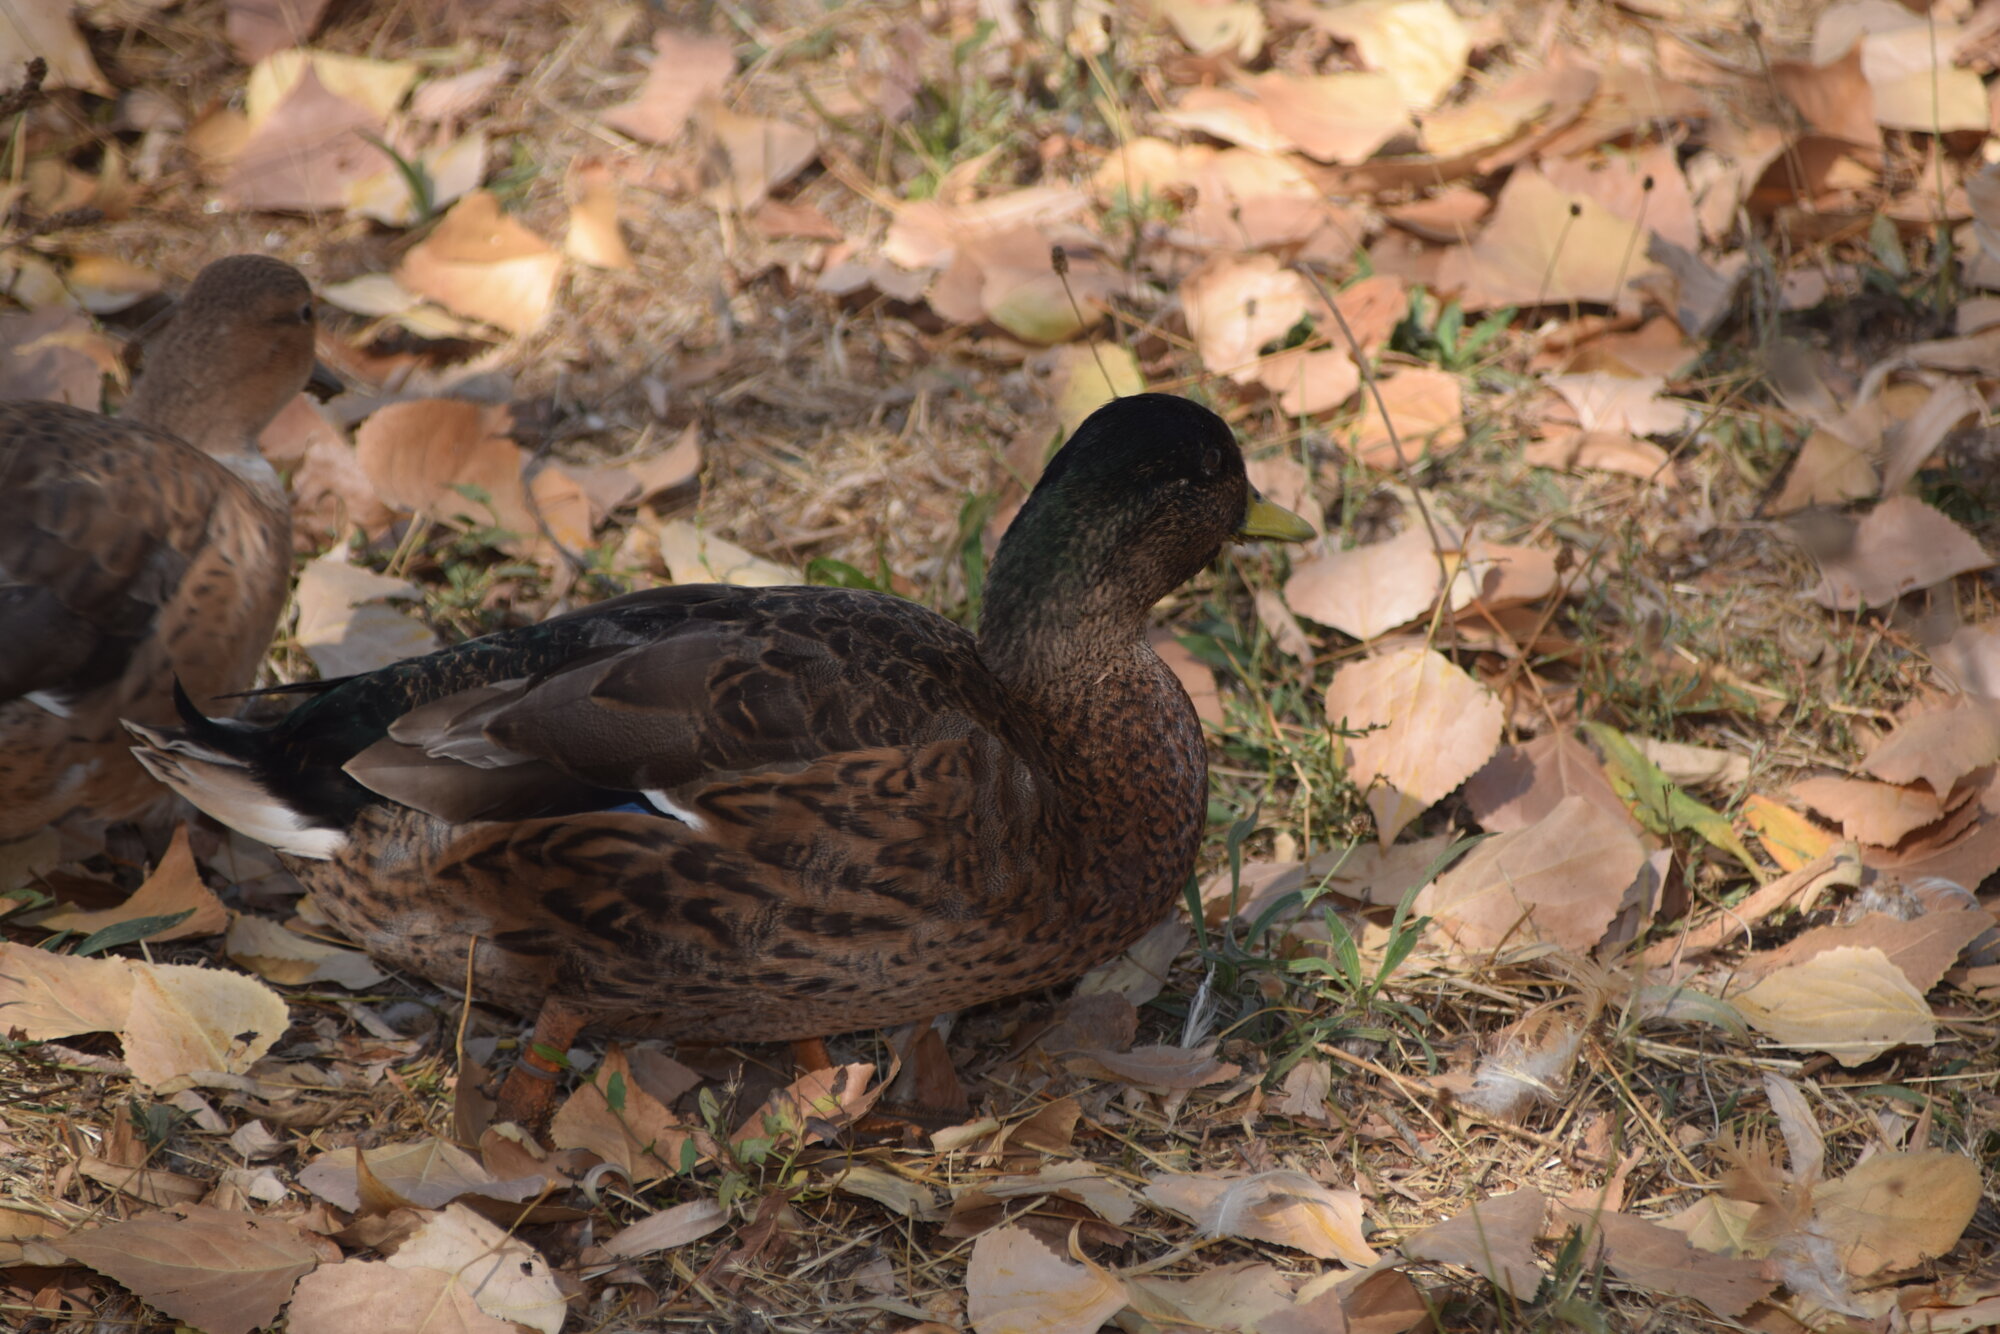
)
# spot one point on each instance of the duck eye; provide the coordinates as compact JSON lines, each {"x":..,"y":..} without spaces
{"x":1210,"y":461}
{"x":306,"y":313}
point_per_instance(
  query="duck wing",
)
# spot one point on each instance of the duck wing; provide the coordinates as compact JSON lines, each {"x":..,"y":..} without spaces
{"x":653,"y":692}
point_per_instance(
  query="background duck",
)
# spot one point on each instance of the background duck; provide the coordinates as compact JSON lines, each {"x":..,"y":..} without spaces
{"x":752,"y":814}
{"x":141,"y":549}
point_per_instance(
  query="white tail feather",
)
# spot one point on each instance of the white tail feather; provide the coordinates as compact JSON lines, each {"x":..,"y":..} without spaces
{"x":223,"y":787}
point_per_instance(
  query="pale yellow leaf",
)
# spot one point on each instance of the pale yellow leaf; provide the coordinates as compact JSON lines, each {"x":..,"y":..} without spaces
{"x":1421,"y":44}
{"x":694,"y":556}
{"x":1016,"y":1285}
{"x":1851,"y":1002}
{"x":1434,"y":726}
{"x":1898,"y":1209}
{"x":185,"y":1019}
{"x":506,"y":1277}
{"x":288,"y":958}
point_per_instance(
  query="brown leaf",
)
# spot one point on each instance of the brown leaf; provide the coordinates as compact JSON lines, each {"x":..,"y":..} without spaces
{"x":1494,"y":1237}
{"x":1341,"y":118}
{"x":1900,"y":545}
{"x":364,"y":1294}
{"x":1938,"y":747}
{"x":1923,"y":948}
{"x":1157,"y":1067}
{"x":54,"y":354}
{"x":639,"y":1136}
{"x":744,"y":158}
{"x":481,"y":263}
{"x":426,"y":1173}
{"x":506,"y":1277}
{"x":47,"y":31}
{"x":290,"y":959}
{"x":1284,"y":1207}
{"x":667,"y":1229}
{"x":1558,"y":880}
{"x":1426,"y":409}
{"x":1879,"y":813}
{"x":1850,"y":1002}
{"x":1236,"y":305}
{"x":256,"y":28}
{"x":1897,"y":1209}
{"x":685,"y":70}
{"x":1434,"y":727}
{"x":152,"y":1185}
{"x":1544,"y":246}
{"x":307,"y":153}
{"x":593,"y":235}
{"x":1523,"y":784}
{"x":1369,"y":590}
{"x":1660,"y":1259}
{"x":345,"y":625}
{"x":1016,"y":1285}
{"x":227,"y":1273}
{"x":174,"y":886}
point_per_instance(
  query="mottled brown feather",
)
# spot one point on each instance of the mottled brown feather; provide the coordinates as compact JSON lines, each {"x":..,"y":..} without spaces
{"x":138,"y":549}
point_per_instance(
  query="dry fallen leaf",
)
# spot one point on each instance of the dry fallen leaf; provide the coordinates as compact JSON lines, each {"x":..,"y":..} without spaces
{"x":1661,"y":1260}
{"x":361,"y":1294}
{"x":1522,"y":784}
{"x":593,"y":235}
{"x":1426,"y":411}
{"x":1285,"y":1207}
{"x":1433,"y":727}
{"x":1879,"y":813}
{"x":345,"y":626}
{"x":1896,"y":1210}
{"x":1494,"y":1237}
{"x":1340,"y":118}
{"x":1922,"y":947}
{"x":746,"y":157}
{"x":224,"y":1272}
{"x":1209,"y":27}
{"x":1421,"y":44}
{"x":425,"y":1174}
{"x":685,"y":70}
{"x":1235,"y":306}
{"x":667,"y":1229}
{"x":638,"y":1135}
{"x":1559,"y":879}
{"x":506,"y":1277}
{"x":1939,"y":746}
{"x":1544,"y":246}
{"x":694,"y":556}
{"x":482,"y":263}
{"x":307,"y":153}
{"x":1899,"y":546}
{"x":174,"y":886}
{"x":1852,"y":1003}
{"x":1369,"y":590}
{"x":290,"y":959}
{"x":1016,"y":1285}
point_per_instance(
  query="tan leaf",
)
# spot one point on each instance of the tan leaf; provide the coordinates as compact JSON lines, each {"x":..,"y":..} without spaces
{"x":1916,"y":86}
{"x":1084,"y":1183}
{"x":364,"y":1294}
{"x":1523,"y":784}
{"x":1083,"y":378}
{"x":1425,"y":408}
{"x":174,"y":886}
{"x":151,"y":1185}
{"x":1879,"y":813}
{"x":593,"y":235}
{"x":1494,"y":1237}
{"x":1016,"y":1285}
{"x":1619,"y":403}
{"x":290,"y":959}
{"x":256,"y":28}
{"x":1238,"y":1296}
{"x":1834,"y":98}
{"x":226,"y":1273}
{"x":1340,"y":118}
{"x":747,"y":157}
{"x":1923,"y":948}
{"x":344,"y":625}
{"x":186,"y":1019}
{"x":45,"y":995}
{"x":1235,"y":306}
{"x":426,"y":1174}
{"x":697,"y":557}
{"x":685,"y":70}
{"x":105,"y":284}
{"x":639,"y":1136}
{"x":1157,"y":1067}
{"x":667,"y":1229}
{"x":1544,"y":246}
{"x":1209,"y":27}
{"x":377,"y":85}
{"x":1421,"y":44}
{"x":906,"y":1197}
{"x":307,"y":153}
{"x":1310,"y":380}
{"x":1938,"y":747}
{"x":1229,"y":115}
{"x":836,"y":1096}
{"x":1897,"y":1209}
{"x":49,"y":354}
{"x":506,"y":1277}
{"x":1970,"y":660}
{"x":482,"y":263}
{"x":1900,"y":545}
{"x":1660,"y":1259}
{"x":47,"y":31}
{"x":1284,"y":1207}
{"x":1369,"y":590}
{"x":1616,"y":452}
{"x":1434,"y":727}
{"x":1851,"y":1002}
{"x":454,"y":168}
{"x":1827,"y":471}
{"x":1281,"y":625}
{"x":1558,"y":880}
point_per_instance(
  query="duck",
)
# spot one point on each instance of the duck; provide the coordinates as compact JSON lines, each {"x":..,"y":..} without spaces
{"x":143,"y":549}
{"x":730,"y":814}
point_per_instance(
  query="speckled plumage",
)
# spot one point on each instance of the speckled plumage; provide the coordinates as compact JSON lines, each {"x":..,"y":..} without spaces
{"x":844,"y":811}
{"x":137,"y":549}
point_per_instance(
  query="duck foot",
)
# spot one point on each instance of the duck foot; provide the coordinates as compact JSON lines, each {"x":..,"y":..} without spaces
{"x":527,"y":1097}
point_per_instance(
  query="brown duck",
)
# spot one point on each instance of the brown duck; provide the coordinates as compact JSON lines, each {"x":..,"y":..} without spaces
{"x":751,"y":814}
{"x":141,"y":549}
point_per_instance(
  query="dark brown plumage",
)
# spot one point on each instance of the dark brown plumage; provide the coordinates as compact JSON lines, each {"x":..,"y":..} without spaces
{"x":140,"y":549}
{"x":727,"y":813}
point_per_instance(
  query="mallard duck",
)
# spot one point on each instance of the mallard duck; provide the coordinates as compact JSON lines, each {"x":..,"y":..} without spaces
{"x":730,"y":814}
{"x":138,"y":549}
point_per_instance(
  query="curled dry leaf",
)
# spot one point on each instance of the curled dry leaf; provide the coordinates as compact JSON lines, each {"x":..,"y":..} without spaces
{"x":1284,"y":1207}
{"x":1433,"y":727}
{"x":1559,"y":880}
{"x":1494,"y":1237}
{"x":1899,"y":546}
{"x":1016,"y":1285}
{"x":482,"y":263}
{"x":175,"y":886}
{"x":223,"y":1272}
{"x":1851,"y":1002}
{"x":667,"y":1229}
{"x":1662,"y":1260}
{"x":685,"y":70}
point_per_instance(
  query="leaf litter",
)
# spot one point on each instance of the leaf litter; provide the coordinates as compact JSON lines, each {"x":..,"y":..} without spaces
{"x":690,"y":300}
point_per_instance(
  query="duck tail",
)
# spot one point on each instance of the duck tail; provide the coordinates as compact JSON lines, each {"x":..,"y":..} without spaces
{"x":217,"y":765}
